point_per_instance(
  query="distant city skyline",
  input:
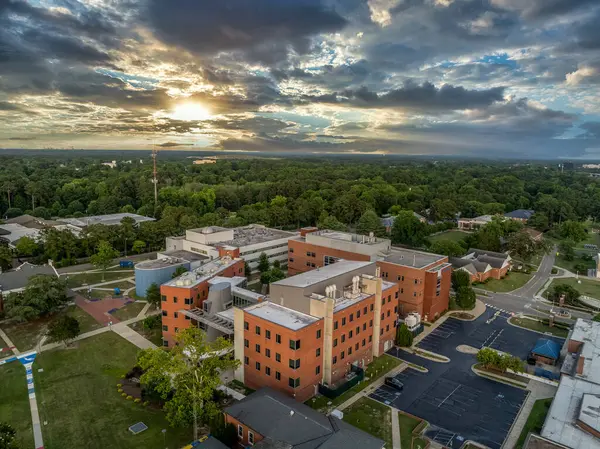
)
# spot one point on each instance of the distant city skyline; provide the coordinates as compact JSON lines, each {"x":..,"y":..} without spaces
{"x":483,"y":78}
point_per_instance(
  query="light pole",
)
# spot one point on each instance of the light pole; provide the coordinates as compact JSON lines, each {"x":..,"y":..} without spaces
{"x":164,"y":432}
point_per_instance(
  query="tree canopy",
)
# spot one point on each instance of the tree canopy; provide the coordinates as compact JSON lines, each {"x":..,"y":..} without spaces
{"x":43,"y":295}
{"x":64,"y":328}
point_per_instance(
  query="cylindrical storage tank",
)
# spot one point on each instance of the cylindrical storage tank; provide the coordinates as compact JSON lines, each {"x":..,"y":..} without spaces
{"x":155,"y":272}
{"x":411,"y":321}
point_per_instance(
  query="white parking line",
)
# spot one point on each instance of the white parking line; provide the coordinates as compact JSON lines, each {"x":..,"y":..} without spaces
{"x":442,"y":403}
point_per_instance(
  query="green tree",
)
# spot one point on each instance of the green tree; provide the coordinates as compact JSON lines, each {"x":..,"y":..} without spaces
{"x":448,"y":248}
{"x":465,"y":297}
{"x":8,"y":437}
{"x":522,"y":246}
{"x":104,"y":257}
{"x":153,"y":295}
{"x":6,"y":257}
{"x":41,"y":212}
{"x":247,"y":270}
{"x":488,"y":357}
{"x":26,"y":246}
{"x":516,"y":364}
{"x":370,"y":222}
{"x":179,"y":271}
{"x":460,"y":278}
{"x":332,"y":223}
{"x":408,"y":230}
{"x":64,"y":328}
{"x":42,"y":296}
{"x":187,"y":376}
{"x":571,"y":294}
{"x":263,"y":263}
{"x":404,"y":337}
{"x":566,"y":249}
{"x":127,"y":231}
{"x":573,"y":230}
{"x":138,"y":247}
{"x":539,"y":221}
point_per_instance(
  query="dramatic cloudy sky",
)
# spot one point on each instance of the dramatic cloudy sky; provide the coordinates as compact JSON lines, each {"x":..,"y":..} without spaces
{"x":473,"y":77}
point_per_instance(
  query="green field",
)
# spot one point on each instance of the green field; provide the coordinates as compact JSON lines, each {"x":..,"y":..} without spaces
{"x":407,"y":425}
{"x":371,"y":416}
{"x":587,"y":286}
{"x":154,"y":335}
{"x":131,"y":310}
{"x":378,"y":367}
{"x":26,"y":335}
{"x":510,"y":282}
{"x":14,"y":402}
{"x":453,"y":235}
{"x":539,"y":327}
{"x":77,"y":395}
{"x":91,"y":278}
{"x":535,"y":421}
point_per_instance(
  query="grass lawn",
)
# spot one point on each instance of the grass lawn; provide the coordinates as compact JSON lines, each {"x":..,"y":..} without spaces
{"x":131,"y":310}
{"x":378,"y":367}
{"x":453,"y":235}
{"x":14,"y":402}
{"x":26,"y":335}
{"x":511,"y":281}
{"x":570,"y":264}
{"x":587,"y":287}
{"x":421,"y":443}
{"x":154,"y":335}
{"x":123,"y":285}
{"x":77,"y":280}
{"x":77,"y":395}
{"x":407,"y":425}
{"x":372,"y":417}
{"x":537,"y":326}
{"x":535,"y":421}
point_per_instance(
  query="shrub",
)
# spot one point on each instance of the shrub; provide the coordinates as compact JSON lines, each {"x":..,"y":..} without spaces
{"x":123,"y":394}
{"x":129,"y":398}
{"x":137,"y":400}
{"x":146,"y":403}
{"x":120,"y":390}
{"x":119,"y":385}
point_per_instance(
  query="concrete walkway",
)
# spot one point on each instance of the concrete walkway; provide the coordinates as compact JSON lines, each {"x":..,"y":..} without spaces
{"x":9,"y":342}
{"x":395,"y":429}
{"x":132,"y":336}
{"x":27,"y":361}
{"x":537,"y":390}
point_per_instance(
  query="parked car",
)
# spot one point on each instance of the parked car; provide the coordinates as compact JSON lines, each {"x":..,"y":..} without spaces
{"x":394,"y":383}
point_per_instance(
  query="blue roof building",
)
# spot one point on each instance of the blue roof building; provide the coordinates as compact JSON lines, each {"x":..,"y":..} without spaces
{"x":546,"y":348}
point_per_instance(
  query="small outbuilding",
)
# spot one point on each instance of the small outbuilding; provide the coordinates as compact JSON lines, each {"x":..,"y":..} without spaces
{"x":545,"y":351}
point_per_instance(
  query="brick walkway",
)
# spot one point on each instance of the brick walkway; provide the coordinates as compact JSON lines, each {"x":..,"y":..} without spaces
{"x":99,"y":309}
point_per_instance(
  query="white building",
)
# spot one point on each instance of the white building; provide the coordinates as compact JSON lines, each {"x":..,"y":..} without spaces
{"x":247,"y":242}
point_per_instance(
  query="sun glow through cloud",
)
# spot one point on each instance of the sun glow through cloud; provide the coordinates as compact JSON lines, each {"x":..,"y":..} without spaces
{"x":190,"y":112}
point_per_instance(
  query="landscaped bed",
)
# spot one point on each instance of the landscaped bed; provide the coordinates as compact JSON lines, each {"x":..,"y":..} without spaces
{"x":14,"y":402}
{"x":372,"y":417}
{"x":26,"y":335}
{"x":407,"y":425}
{"x":510,"y":282}
{"x":587,"y":287}
{"x":77,"y":395}
{"x":378,"y":367}
{"x":538,"y":326}
{"x":535,"y":421}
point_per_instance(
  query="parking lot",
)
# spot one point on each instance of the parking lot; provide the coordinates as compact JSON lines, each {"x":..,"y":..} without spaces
{"x":457,"y":403}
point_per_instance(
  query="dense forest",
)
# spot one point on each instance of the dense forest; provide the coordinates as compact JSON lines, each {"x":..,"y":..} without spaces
{"x":285,"y":193}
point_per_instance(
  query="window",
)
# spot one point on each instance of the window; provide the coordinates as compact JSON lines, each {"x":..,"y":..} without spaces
{"x":246,"y":360}
{"x":257,"y":330}
{"x":328,"y":260}
{"x":344,"y":321}
{"x":175,"y":299}
{"x":291,"y":259}
{"x":350,"y":350}
{"x":350,"y":334}
{"x":364,"y":326}
{"x":334,"y":342}
{"x":334,"y":359}
{"x":319,"y":333}
{"x":318,"y":370}
{"x":381,"y":332}
{"x":176,"y":314}
{"x":370,"y":338}
{"x":395,"y":309}
{"x":307,"y":253}
{"x":390,"y":298}
{"x":398,"y":277}
{"x":294,"y":344}
{"x":165,"y":328}
{"x":414,"y":293}
{"x":277,"y":338}
{"x":357,"y":330}
{"x":364,"y":342}
{"x":291,"y":250}
{"x":176,"y":330}
{"x":308,"y":264}
{"x":382,"y":316}
{"x":268,"y":352}
{"x":388,"y":313}
{"x":343,"y":338}
{"x":246,"y":343}
{"x":294,"y":364}
{"x":396,"y":295}
{"x":318,"y":352}
{"x":294,"y":383}
{"x":267,"y":334}
{"x":387,"y":328}
{"x":342,"y":355}
{"x":313,"y":255}
{"x":278,"y":357}
{"x":365,"y":310}
{"x":240,"y":431}
{"x":356,"y":346}
{"x":402,"y":277}
{"x":358,"y":314}
{"x":416,"y":281}
{"x":257,"y":348}
{"x":382,"y":301}
{"x":401,"y":290}
{"x":335,"y":325}
{"x":163,"y":298}
{"x":371,"y":308}
{"x":370,"y":323}
{"x":277,"y":375}
{"x":187,"y":317}
{"x":165,"y":343}
{"x":257,"y":365}
{"x":164,"y":313}
{"x":267,"y":371}
{"x":351,"y":317}
{"x":250,"y":438}
{"x":187,"y":300}
{"x":246,"y":325}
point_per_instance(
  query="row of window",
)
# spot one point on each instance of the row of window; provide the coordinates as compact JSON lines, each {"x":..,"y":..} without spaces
{"x":262,"y":250}
{"x":310,"y":254}
{"x":349,"y":350}
{"x":187,"y":301}
{"x":386,"y":274}
{"x":292,"y":382}
{"x":175,"y":314}
{"x":294,"y":344}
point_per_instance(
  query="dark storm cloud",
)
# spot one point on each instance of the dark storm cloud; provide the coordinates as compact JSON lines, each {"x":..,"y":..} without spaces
{"x":535,"y":9}
{"x":592,"y":129}
{"x":414,"y":96}
{"x":261,"y":28}
{"x":174,"y":144}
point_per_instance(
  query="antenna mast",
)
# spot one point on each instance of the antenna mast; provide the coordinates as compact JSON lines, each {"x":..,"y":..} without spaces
{"x":154,"y":178}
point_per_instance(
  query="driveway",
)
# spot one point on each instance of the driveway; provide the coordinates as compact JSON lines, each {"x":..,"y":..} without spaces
{"x":457,"y":403}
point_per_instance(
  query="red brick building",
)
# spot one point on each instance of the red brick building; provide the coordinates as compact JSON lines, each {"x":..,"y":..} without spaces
{"x":482,"y":265}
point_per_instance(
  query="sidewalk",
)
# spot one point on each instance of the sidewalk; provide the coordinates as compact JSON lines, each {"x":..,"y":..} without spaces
{"x":396,"y":440}
{"x":9,"y":342}
{"x":132,"y":336}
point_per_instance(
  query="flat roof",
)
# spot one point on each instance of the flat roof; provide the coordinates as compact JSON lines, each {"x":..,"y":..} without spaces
{"x":207,"y":230}
{"x":343,"y":303}
{"x":183,"y":254}
{"x":202,"y":273}
{"x":411,"y":258}
{"x":590,"y":411}
{"x":108,"y":219}
{"x":322,"y":274}
{"x":159,"y":263}
{"x":560,"y":425}
{"x":233,"y":281}
{"x":15,"y":231}
{"x":255,"y":234}
{"x":281,"y":315}
{"x":588,"y":332}
{"x":349,"y":237}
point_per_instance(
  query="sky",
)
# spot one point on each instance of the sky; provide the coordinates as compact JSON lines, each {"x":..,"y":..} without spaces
{"x":484,"y":78}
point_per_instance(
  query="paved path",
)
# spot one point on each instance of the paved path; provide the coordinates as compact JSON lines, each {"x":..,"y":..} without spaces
{"x":100,"y":284}
{"x":132,"y":336}
{"x":537,"y":390}
{"x":395,"y":429}
{"x":27,"y":361}
{"x":9,"y":342}
{"x":143,"y":312}
{"x":99,"y":309}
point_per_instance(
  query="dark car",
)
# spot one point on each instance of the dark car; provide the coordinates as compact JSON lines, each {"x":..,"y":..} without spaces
{"x":394,"y":383}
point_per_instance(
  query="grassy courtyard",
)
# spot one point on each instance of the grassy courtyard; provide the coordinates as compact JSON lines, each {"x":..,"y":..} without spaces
{"x":131,"y":310}
{"x":538,"y":326}
{"x":372,"y":417}
{"x":14,"y":402}
{"x":26,"y":335}
{"x":454,"y":235}
{"x":77,"y":396}
{"x":407,"y":425}
{"x":154,"y":335}
{"x":95,"y":277}
{"x":535,"y":421}
{"x":510,"y":282}
{"x":587,"y":287}
{"x":378,"y":367}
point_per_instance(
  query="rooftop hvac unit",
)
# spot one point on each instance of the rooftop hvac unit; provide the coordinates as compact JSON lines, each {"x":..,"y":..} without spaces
{"x":179,"y":283}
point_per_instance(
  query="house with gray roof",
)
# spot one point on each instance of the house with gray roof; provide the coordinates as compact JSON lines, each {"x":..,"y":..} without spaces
{"x":16,"y":280}
{"x":482,"y":264}
{"x":268,"y":419}
{"x":521,"y":215}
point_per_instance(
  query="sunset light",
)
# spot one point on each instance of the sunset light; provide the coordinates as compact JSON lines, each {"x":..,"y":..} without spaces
{"x":190,"y":112}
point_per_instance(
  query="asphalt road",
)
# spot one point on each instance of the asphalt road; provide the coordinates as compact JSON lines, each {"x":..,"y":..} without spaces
{"x":459,"y":404}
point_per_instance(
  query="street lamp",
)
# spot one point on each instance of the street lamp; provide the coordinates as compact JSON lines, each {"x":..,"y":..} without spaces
{"x":164,"y":432}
